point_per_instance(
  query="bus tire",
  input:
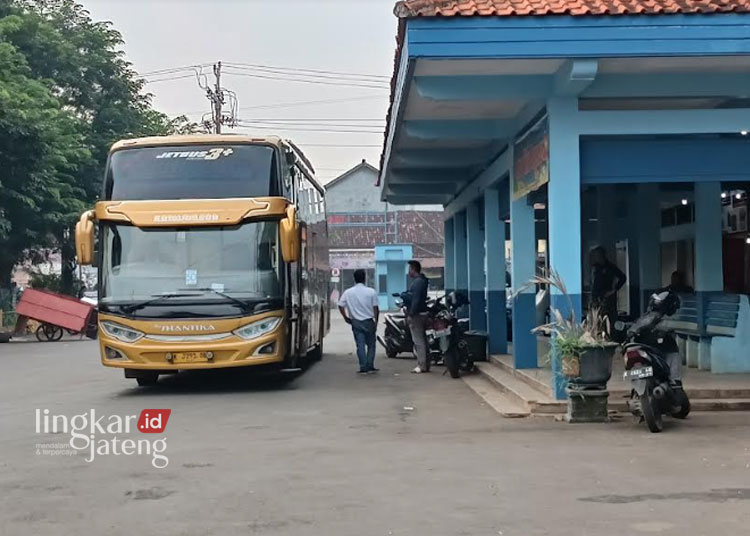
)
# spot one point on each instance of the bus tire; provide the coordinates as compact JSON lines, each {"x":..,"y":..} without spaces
{"x":317,"y":353}
{"x":147,"y":379}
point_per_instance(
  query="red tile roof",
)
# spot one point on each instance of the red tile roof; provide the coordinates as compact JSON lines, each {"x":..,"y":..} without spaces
{"x":504,"y":8}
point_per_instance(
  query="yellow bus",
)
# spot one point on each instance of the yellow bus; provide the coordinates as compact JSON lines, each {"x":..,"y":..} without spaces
{"x":212,"y":253}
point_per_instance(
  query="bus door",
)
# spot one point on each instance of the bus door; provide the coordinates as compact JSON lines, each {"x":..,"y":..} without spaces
{"x":304,"y":293}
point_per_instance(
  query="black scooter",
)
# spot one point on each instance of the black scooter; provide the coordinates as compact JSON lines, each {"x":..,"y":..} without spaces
{"x":397,"y":338}
{"x":649,"y":351}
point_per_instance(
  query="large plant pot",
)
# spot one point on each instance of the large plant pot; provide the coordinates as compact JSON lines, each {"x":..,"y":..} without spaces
{"x":593,"y":370}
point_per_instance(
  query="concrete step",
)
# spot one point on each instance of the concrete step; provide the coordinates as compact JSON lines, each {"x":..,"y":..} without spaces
{"x":495,"y":398}
{"x":720,"y":404}
{"x":617,"y":387}
{"x":518,"y":391}
{"x":506,"y":363}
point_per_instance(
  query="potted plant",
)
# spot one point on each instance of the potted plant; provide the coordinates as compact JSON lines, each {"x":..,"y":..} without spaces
{"x":581,"y":346}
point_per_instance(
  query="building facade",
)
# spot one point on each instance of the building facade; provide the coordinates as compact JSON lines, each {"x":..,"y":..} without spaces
{"x":359,"y":222}
{"x":577,"y":124}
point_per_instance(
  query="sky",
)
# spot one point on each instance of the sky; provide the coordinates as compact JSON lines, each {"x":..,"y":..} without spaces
{"x":260,"y":42}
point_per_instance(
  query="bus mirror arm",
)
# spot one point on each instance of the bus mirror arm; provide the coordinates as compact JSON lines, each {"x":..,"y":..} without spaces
{"x":85,"y":238}
{"x":290,"y":242}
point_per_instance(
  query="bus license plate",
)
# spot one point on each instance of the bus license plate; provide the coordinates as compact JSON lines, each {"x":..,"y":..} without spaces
{"x":190,"y":357}
{"x":639,"y":373}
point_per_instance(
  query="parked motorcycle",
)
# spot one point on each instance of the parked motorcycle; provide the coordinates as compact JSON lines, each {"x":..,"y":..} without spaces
{"x":653,"y":365}
{"x":449,"y":333}
{"x":396,"y":338}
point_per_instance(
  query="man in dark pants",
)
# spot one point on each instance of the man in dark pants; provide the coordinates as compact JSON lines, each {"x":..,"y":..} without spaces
{"x":606,"y":280}
{"x":359,"y":307}
{"x":416,"y":316}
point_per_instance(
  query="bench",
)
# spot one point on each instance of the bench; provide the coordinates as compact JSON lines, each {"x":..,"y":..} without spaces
{"x":710,"y":331}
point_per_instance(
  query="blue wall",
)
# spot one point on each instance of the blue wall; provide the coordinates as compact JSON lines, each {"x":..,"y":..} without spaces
{"x":573,"y":37}
{"x":390,"y":261}
{"x":684,"y":159}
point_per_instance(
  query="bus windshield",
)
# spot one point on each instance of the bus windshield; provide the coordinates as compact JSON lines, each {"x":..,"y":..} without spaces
{"x":192,"y":172}
{"x":222,"y":266}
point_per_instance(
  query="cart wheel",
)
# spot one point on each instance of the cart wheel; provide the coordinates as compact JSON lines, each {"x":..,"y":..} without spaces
{"x":49,"y":333}
{"x":55,"y":333}
{"x":41,"y":333}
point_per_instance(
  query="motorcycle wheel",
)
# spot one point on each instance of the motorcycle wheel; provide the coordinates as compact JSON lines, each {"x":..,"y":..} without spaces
{"x":391,"y":354}
{"x":451,"y":363}
{"x":651,"y":414}
{"x":681,"y":407}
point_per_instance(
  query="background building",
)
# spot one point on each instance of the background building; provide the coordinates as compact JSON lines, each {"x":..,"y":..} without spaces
{"x":571,"y":125}
{"x":359,"y":221}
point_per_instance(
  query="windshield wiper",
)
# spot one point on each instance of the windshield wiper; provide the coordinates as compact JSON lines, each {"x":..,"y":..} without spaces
{"x":244,"y":306}
{"x":130,"y":309}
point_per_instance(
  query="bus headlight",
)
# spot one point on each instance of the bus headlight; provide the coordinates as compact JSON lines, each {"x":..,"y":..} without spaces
{"x":120,"y":332}
{"x":258,"y":329}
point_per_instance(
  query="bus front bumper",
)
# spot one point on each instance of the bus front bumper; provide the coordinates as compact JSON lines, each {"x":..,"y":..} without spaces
{"x":166,"y":356}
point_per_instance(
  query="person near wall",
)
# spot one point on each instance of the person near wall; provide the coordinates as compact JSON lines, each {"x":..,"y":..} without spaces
{"x":678,"y":284}
{"x":359,"y":307}
{"x":416,"y":316}
{"x":606,"y":280}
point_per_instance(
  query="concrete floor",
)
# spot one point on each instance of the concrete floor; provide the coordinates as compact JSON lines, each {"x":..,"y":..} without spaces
{"x":336,"y":454}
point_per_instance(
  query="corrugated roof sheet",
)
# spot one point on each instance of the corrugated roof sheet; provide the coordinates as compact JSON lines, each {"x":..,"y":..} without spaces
{"x":508,"y":8}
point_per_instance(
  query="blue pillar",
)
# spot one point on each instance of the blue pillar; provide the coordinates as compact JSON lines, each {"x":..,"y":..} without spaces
{"x":460,"y":255}
{"x":709,"y":257}
{"x":648,"y":223}
{"x":709,"y":264}
{"x":448,"y":251}
{"x":475,"y":262}
{"x":564,"y":209}
{"x":494,"y":245}
{"x":523,"y":268}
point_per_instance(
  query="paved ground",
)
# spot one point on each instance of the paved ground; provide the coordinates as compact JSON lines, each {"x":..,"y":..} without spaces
{"x":336,"y":454}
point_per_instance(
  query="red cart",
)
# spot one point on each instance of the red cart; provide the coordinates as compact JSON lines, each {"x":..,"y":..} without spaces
{"x":55,"y":313}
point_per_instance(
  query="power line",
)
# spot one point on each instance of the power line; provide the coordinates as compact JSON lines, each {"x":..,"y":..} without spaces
{"x":315,"y":71}
{"x":309,"y":103}
{"x":340,"y":145}
{"x":329,"y":119}
{"x":346,"y":78}
{"x":248,"y":124}
{"x":296,"y":104}
{"x":180,"y":77}
{"x":283,"y":124}
{"x":306,"y":81}
{"x":170,"y":70}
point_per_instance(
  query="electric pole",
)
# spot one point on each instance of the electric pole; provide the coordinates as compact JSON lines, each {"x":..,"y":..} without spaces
{"x":217,"y":98}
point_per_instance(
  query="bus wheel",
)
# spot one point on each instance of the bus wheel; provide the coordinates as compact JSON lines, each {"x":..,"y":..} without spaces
{"x":147,"y":379}
{"x":317,"y":353}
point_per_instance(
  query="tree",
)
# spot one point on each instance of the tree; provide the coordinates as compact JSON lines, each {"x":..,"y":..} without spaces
{"x":40,"y":149}
{"x":75,"y":68}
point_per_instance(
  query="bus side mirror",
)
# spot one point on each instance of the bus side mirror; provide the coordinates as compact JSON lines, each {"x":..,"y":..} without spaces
{"x":290,"y":236}
{"x":85,"y":239}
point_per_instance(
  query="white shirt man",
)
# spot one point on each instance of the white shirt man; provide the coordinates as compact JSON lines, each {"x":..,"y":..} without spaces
{"x":359,"y":307}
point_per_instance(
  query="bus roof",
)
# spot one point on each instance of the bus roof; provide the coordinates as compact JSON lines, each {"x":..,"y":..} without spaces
{"x":196,"y":139}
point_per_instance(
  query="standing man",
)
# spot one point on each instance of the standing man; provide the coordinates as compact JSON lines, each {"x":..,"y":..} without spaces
{"x":606,"y":280}
{"x":359,"y":307}
{"x":416,"y":316}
